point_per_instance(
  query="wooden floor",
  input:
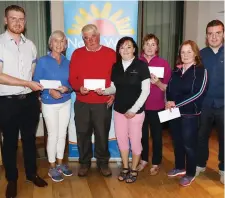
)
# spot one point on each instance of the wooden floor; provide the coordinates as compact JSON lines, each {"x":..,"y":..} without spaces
{"x":206,"y":185}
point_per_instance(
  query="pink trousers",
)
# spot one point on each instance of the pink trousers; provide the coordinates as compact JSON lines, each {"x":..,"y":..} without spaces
{"x":129,"y":130}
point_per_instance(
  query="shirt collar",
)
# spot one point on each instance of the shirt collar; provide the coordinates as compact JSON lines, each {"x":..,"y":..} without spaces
{"x":94,"y":50}
{"x":142,"y":57}
{"x":220,"y":49}
{"x":128,"y":61}
{"x":49,"y":53}
{"x":9,"y":37}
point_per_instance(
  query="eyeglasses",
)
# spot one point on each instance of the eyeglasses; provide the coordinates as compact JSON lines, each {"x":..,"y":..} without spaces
{"x":216,"y":34}
{"x":94,"y":36}
{"x":14,"y":19}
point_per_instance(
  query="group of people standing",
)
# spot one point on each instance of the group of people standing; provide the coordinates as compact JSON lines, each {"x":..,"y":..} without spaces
{"x":195,"y":86}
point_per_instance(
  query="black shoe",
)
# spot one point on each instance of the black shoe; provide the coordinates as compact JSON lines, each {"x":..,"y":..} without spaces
{"x":37,"y":181}
{"x":11,"y":189}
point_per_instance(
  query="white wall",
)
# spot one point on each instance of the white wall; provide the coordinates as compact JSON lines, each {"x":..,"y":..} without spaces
{"x":190,"y":20}
{"x":57,"y":15}
{"x":196,"y":17}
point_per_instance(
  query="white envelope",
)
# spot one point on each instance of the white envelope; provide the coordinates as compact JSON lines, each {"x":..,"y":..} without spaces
{"x":93,"y":84}
{"x":158,"y":71}
{"x":167,"y":115}
{"x":50,"y":84}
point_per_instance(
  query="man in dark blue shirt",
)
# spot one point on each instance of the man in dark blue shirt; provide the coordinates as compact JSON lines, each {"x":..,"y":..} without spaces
{"x":213,"y":105}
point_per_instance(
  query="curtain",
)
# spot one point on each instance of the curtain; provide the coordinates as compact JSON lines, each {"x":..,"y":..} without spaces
{"x":36,"y":25}
{"x":165,"y":20}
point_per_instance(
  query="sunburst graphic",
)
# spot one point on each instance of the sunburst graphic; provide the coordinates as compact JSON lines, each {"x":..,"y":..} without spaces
{"x":108,"y":25}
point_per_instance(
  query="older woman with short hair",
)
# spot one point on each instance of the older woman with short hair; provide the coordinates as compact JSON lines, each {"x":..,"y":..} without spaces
{"x":56,"y":103}
{"x":186,"y":90}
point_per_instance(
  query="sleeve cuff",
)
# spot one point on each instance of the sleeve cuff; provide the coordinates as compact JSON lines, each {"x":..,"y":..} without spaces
{"x":34,"y":61}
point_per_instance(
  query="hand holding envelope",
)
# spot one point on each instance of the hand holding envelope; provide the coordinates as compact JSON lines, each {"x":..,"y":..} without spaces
{"x":55,"y":88}
{"x":63,"y":89}
{"x":99,"y":91}
{"x":55,"y":94}
{"x":84,"y":90}
{"x":154,"y":79}
{"x":170,"y":105}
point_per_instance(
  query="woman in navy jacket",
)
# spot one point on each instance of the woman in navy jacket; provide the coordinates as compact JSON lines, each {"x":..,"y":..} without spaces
{"x":185,"y":91}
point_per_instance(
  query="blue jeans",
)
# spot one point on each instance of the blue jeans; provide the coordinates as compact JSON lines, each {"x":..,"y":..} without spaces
{"x":184,"y":132}
{"x":208,"y":116}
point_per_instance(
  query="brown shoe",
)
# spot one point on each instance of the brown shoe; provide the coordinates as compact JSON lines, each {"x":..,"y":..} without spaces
{"x":11,"y":190}
{"x":105,"y":170}
{"x":83,"y":170}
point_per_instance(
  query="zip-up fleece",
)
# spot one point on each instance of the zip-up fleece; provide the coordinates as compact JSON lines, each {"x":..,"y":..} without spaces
{"x":188,"y":90}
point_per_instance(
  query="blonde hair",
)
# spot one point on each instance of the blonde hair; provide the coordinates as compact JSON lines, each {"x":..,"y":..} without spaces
{"x":88,"y":28}
{"x":54,"y":35}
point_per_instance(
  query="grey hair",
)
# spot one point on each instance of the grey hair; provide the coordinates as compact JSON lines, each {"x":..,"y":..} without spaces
{"x":57,"y":34}
{"x":90,"y":27}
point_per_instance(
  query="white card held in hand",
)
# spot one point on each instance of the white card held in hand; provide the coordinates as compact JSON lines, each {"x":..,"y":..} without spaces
{"x":50,"y":84}
{"x":167,"y":115}
{"x":157,"y":71}
{"x":93,"y":84}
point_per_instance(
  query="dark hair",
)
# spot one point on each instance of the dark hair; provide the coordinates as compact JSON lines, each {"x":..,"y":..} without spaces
{"x":15,"y":8}
{"x":149,"y":37}
{"x":121,"y":42}
{"x":214,"y":23}
{"x":196,"y":51}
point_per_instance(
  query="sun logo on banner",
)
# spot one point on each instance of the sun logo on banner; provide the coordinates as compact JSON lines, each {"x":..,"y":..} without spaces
{"x":108,"y":25}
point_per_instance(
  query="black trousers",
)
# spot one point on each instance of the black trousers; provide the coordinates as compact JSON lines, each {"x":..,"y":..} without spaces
{"x":185,"y":135}
{"x":208,"y":116}
{"x":19,"y":115}
{"x":152,"y":119}
{"x":89,"y":119}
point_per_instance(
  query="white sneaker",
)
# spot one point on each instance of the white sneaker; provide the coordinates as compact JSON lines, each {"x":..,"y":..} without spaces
{"x":199,"y":170}
{"x":221,"y":176}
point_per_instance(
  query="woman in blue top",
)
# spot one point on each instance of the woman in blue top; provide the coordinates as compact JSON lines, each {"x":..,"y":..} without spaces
{"x":185,"y":91}
{"x":56,"y":103}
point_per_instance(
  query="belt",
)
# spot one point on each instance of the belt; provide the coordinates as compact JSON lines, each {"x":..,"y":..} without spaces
{"x":18,"y":97}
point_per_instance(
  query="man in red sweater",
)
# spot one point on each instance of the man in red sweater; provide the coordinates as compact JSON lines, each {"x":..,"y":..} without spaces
{"x":92,"y":112}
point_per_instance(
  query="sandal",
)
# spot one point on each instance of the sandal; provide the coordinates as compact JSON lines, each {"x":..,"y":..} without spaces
{"x":142,"y":165}
{"x":132,"y":176}
{"x":154,"y":170}
{"x":123,"y":174}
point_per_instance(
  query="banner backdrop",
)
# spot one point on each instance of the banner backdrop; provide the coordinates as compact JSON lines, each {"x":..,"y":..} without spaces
{"x":114,"y":20}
